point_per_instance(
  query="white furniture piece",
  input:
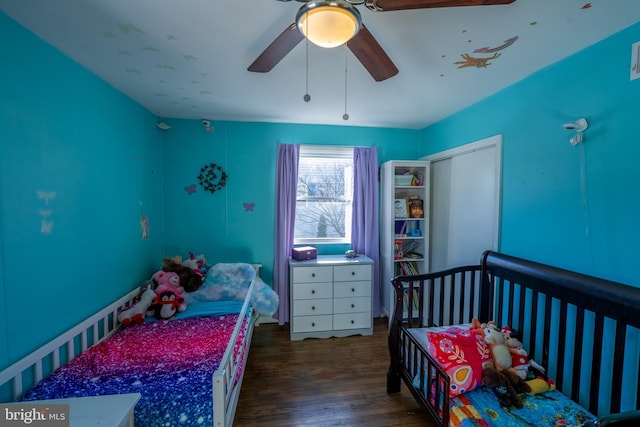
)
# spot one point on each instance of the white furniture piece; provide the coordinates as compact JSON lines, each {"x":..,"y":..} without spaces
{"x":331,"y":296}
{"x":404,"y":240}
{"x":114,"y":410}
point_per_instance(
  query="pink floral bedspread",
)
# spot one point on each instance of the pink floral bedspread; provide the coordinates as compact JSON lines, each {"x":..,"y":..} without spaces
{"x":170,"y":363}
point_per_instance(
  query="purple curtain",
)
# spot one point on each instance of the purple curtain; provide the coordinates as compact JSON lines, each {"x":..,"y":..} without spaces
{"x":286,"y":190}
{"x":364,"y":226}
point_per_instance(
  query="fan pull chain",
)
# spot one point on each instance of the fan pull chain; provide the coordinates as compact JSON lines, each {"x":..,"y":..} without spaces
{"x":306,"y":96}
{"x":345,"y":116}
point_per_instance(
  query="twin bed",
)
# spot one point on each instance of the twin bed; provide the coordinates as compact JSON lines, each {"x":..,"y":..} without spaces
{"x":583,"y":330}
{"x":188,"y":370}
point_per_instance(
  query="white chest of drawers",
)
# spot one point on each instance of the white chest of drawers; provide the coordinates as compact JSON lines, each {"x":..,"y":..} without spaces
{"x":331,"y":296}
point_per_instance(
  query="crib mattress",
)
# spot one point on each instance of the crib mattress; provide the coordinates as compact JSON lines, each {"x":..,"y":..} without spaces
{"x":480,"y":407}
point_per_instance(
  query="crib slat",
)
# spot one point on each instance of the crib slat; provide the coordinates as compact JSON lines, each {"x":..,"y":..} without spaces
{"x":597,"y":362}
{"x":463,"y":292}
{"x":441,"y":311}
{"x":510,"y":320}
{"x":533,"y":328}
{"x":500,"y":301}
{"x":421,"y":305}
{"x":562,"y":337}
{"x":83,"y":340}
{"x":431,"y":302}
{"x":577,"y":355}
{"x":452,"y":298}
{"x":521,"y":308}
{"x":472,"y":296}
{"x":547,"y":330}
{"x":618,"y":362}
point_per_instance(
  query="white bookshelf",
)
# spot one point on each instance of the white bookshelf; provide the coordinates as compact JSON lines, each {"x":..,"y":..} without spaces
{"x":404,"y":240}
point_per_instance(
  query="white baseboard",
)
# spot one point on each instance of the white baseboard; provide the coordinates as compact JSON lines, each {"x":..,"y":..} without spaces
{"x":265,"y":319}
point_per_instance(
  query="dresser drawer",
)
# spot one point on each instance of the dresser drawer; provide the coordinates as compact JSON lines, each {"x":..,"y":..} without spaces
{"x":311,"y":323}
{"x":312,"y":274}
{"x":351,"y":305}
{"x":352,"y":321}
{"x":310,"y":307}
{"x":351,"y":289}
{"x":312,"y":291}
{"x":346,"y":273}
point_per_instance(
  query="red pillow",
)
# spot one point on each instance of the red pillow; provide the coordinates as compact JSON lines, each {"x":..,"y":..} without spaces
{"x":462,"y":353}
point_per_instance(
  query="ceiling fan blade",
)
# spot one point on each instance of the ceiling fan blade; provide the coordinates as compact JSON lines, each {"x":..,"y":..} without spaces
{"x":277,"y":50}
{"x":386,"y":5}
{"x":369,"y":52}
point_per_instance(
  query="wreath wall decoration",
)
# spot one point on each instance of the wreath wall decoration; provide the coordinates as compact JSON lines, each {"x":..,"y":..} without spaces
{"x":212,"y":177}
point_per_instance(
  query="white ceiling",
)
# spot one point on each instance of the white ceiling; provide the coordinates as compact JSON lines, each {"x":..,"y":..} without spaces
{"x":188,"y":58}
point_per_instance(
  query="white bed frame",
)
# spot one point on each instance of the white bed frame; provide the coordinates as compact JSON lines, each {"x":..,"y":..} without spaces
{"x":30,"y":370}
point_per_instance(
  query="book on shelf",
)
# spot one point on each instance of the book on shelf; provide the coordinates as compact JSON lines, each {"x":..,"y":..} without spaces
{"x":398,"y":249}
{"x":400,"y":208}
{"x":414,"y":299}
{"x":416,"y":208}
{"x":407,"y":268}
{"x":407,"y":228}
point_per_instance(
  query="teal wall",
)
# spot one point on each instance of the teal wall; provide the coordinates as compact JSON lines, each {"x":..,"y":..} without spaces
{"x":65,"y":132}
{"x":218,"y":225}
{"x":573,"y":207}
{"x":73,"y":146}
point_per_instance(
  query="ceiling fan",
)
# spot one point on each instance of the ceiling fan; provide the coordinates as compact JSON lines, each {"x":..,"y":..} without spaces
{"x":359,"y":40}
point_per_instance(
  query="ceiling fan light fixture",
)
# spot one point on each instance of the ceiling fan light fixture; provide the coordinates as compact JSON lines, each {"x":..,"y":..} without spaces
{"x":328,"y":23}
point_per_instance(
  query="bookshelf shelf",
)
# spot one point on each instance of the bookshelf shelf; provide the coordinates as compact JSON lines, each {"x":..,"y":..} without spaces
{"x":404,"y":242}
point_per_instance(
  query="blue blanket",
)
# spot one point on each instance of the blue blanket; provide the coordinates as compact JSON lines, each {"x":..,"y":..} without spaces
{"x":480,"y":408}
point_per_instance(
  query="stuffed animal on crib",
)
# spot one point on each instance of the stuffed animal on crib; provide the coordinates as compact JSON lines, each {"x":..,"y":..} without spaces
{"x":540,"y":385}
{"x":519,"y":357}
{"x":190,"y":280}
{"x":502,"y":386}
{"x":135,"y":314}
{"x":170,"y":282}
{"x":166,"y":304}
{"x":496,"y":342}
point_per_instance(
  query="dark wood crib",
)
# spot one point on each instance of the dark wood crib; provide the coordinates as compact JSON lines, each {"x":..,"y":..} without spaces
{"x":583,"y":329}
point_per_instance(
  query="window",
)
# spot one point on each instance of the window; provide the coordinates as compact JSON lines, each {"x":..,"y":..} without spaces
{"x":325,"y":192}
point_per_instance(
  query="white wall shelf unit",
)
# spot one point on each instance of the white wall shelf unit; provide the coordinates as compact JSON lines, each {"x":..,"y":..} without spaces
{"x":404,"y":222}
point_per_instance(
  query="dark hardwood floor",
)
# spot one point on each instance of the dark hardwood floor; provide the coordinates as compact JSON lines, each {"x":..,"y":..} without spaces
{"x":322,"y":382}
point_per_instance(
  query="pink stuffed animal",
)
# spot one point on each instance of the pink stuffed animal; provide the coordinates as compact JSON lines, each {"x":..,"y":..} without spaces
{"x":170,"y":282}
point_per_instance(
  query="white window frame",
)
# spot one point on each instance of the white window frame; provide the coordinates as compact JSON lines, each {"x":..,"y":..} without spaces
{"x":336,"y":152}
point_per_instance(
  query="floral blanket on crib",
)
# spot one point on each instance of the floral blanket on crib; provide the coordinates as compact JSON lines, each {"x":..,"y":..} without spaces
{"x":170,"y":363}
{"x":480,"y":408}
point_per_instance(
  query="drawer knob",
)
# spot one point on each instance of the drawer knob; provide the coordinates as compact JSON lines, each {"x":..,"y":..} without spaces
{"x":313,"y":324}
{"x":352,"y":322}
{"x":353,"y":306}
{"x":313,"y":291}
{"x":353,"y":273}
{"x":353,"y":290}
{"x":313,"y":307}
{"x":313,"y":274}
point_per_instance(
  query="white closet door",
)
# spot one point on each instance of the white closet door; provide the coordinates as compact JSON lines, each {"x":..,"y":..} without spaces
{"x":471,"y":207}
{"x":465,"y":194}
